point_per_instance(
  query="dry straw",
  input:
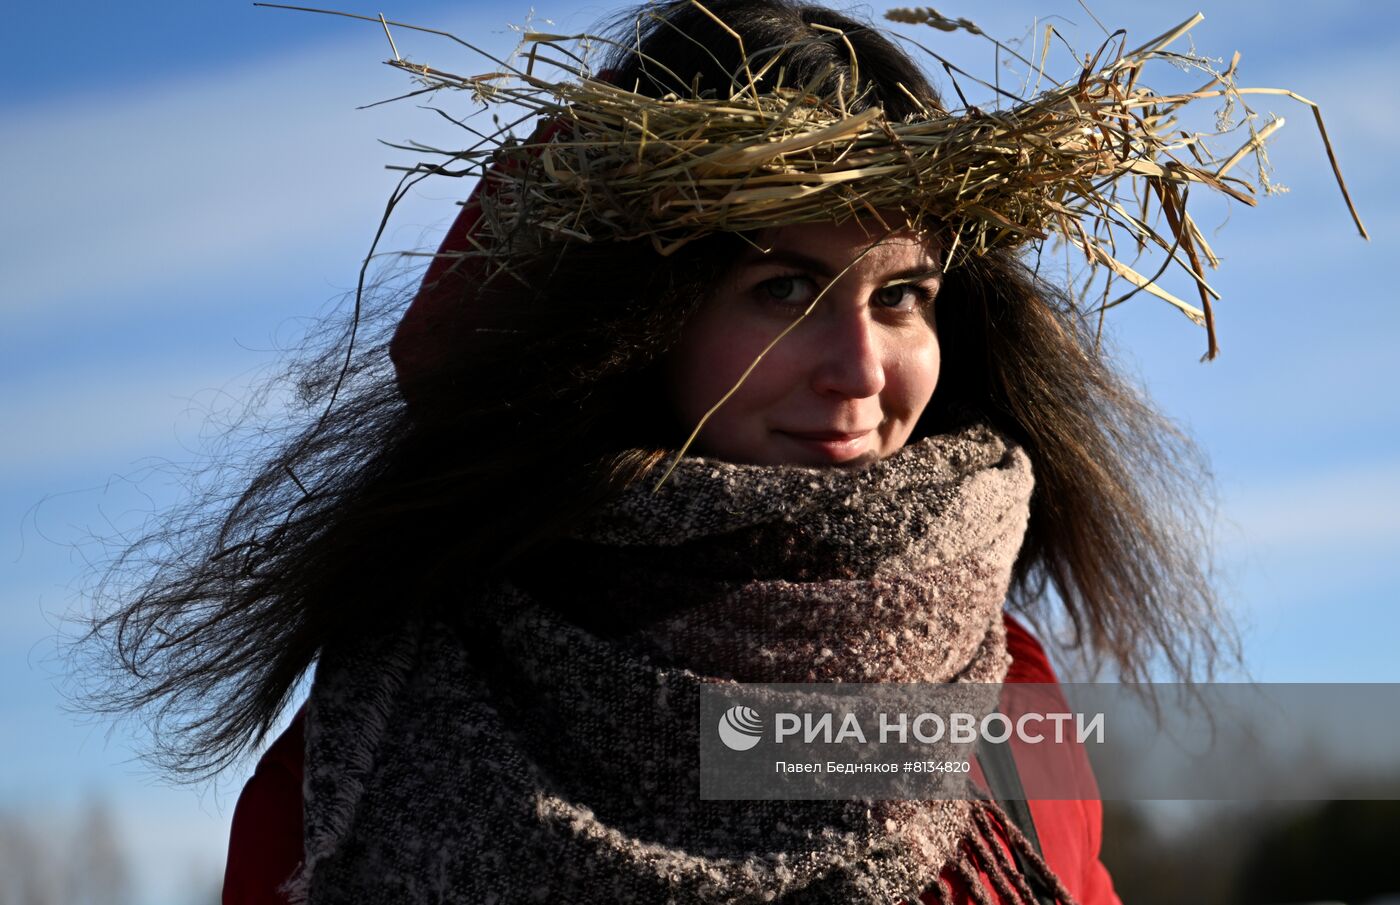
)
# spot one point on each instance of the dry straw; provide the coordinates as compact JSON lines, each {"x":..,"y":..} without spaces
{"x":1099,"y":161}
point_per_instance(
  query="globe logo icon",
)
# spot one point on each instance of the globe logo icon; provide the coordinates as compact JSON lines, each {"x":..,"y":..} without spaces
{"x":740,"y":728}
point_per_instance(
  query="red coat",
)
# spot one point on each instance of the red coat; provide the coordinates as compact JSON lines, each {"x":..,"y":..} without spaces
{"x":265,"y":845}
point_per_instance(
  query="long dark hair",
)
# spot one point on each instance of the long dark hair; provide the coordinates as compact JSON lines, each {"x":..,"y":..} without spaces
{"x":206,"y":625}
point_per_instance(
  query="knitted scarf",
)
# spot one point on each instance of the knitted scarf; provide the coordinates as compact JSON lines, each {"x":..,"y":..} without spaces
{"x":536,"y":740}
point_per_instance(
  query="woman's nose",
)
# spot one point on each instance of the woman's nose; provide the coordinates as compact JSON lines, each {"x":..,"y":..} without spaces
{"x":847,"y":359}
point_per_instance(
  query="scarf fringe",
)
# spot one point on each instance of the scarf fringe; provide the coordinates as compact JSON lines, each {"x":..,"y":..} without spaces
{"x":981,"y":852}
{"x":1007,"y":871}
{"x":297,"y":888}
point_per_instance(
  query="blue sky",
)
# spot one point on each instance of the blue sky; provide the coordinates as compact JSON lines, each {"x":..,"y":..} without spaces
{"x":186,"y":183}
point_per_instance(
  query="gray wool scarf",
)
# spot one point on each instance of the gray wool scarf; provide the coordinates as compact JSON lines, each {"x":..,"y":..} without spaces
{"x":536,"y":739}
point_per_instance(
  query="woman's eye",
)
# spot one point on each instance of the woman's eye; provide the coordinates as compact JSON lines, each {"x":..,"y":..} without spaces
{"x":788,"y":290}
{"x":897,"y":296}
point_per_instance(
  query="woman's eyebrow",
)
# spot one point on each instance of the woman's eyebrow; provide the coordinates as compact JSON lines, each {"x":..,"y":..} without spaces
{"x":910,"y":278}
{"x":793,"y":258}
{"x":914,"y":275}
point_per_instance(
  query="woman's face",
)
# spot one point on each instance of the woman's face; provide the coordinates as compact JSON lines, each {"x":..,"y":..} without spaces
{"x":847,"y":385}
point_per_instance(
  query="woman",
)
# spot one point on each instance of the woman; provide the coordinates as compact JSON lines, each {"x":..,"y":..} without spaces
{"x":509,"y":618}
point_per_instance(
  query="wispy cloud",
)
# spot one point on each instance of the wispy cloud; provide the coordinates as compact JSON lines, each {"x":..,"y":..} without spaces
{"x":116,"y":192}
{"x":1352,"y":507}
{"x":93,"y":419}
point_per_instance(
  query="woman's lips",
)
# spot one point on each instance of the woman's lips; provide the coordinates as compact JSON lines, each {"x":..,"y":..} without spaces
{"x":834,"y":446}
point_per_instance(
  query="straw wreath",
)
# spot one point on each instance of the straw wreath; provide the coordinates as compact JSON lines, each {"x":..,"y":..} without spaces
{"x":1099,"y":161}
